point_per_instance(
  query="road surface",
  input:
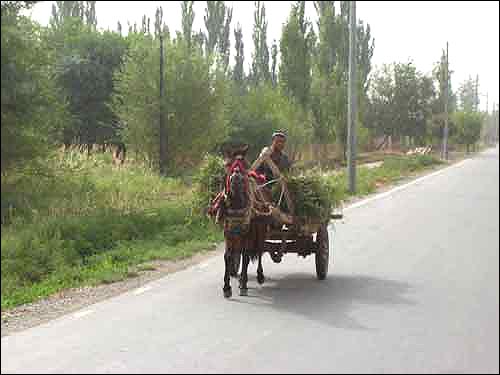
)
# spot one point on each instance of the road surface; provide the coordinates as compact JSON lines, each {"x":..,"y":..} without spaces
{"x":413,"y":288}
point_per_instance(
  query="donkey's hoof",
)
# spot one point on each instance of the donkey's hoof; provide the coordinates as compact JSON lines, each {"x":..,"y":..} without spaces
{"x":260,"y":278}
{"x":243,"y":292}
{"x":227,"y":292}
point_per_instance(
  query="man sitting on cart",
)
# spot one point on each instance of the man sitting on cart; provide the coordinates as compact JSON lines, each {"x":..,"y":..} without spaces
{"x":278,"y":157}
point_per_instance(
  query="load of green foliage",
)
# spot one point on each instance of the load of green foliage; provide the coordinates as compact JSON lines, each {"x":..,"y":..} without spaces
{"x":314,"y":196}
{"x":209,"y":181}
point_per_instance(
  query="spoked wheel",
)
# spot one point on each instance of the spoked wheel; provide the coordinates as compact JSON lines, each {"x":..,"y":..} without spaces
{"x":323,"y":253}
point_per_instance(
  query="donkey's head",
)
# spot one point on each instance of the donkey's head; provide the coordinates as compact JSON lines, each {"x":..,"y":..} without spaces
{"x":237,"y":177}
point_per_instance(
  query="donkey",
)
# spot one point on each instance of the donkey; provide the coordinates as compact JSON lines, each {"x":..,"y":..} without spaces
{"x":246,"y":238}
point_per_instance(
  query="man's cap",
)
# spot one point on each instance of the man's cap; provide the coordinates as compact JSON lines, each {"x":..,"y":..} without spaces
{"x":279,"y":133}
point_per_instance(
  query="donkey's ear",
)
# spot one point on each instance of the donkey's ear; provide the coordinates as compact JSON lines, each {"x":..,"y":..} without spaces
{"x":242,"y":150}
{"x":227,"y":150}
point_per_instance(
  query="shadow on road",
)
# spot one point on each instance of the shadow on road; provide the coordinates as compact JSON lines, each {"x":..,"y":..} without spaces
{"x":332,"y":301}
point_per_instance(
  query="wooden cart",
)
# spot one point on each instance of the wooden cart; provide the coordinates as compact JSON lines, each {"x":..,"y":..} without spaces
{"x":302,"y":236}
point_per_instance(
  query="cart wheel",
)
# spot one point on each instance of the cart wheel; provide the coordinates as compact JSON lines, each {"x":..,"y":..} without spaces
{"x":322,"y":255}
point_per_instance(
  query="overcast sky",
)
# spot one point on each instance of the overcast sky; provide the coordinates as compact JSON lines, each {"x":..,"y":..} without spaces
{"x":402,"y":31}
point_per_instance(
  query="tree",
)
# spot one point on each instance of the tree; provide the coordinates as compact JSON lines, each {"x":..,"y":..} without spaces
{"x":469,"y":99}
{"x":194,"y":98}
{"x":218,"y":23}
{"x":85,"y":60}
{"x":254,"y":117}
{"x":260,"y":57}
{"x":400,"y":101}
{"x":468,"y":127}
{"x":325,"y":85}
{"x":238,"y":72}
{"x":90,"y":15}
{"x":328,"y":37}
{"x":330,"y":72}
{"x":382,"y":102}
{"x":224,"y":41}
{"x":32,"y":107}
{"x":274,"y":57}
{"x":413,"y":93}
{"x":364,"y":54}
{"x":84,"y":10}
{"x":199,"y":40}
{"x":158,"y":21}
{"x":13,"y":7}
{"x":214,"y":22}
{"x":296,"y":44}
{"x":144,"y":25}
{"x":187,"y":21}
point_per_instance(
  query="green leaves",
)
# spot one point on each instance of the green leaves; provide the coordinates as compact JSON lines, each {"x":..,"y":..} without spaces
{"x":194,"y":101}
{"x":209,"y":181}
{"x":296,"y":45}
{"x":401,"y":98}
{"x":254,"y":116}
{"x":468,"y":127}
{"x":31,"y":107}
{"x":314,"y":196}
{"x":260,"y":64}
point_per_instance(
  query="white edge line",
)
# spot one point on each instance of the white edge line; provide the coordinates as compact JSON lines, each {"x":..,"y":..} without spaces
{"x":402,"y":187}
{"x":142,"y":290}
{"x":81,"y":314}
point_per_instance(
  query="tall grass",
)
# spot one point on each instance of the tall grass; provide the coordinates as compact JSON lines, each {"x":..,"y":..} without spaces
{"x":73,"y":184}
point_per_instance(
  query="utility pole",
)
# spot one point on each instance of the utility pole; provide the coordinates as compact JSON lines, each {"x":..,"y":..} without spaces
{"x":497,"y":126}
{"x":477,"y":93}
{"x":446,"y":96}
{"x":352,"y":105}
{"x":163,"y":130}
{"x":495,"y":123}
{"x":493,"y":133}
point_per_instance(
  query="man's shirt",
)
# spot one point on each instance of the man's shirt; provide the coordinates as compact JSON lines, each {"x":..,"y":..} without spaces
{"x":280,"y":159}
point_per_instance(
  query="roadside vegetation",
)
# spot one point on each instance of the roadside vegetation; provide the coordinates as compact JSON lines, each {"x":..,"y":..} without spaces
{"x":71,"y":215}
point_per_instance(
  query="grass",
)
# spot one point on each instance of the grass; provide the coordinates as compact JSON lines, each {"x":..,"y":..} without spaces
{"x":82,"y":221}
{"x":46,"y":257}
{"x":75,"y":185}
{"x":393,"y":169}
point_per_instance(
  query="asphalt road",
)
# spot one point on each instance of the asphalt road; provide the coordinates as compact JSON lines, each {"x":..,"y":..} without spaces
{"x":414,"y":287}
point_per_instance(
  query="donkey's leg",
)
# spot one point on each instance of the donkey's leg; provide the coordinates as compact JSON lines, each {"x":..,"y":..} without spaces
{"x":235,"y":262}
{"x":260,"y":271}
{"x":227,"y":278}
{"x":244,"y":274}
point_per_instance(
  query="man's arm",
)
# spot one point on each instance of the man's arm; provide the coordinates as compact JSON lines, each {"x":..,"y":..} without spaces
{"x":286,"y":164}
